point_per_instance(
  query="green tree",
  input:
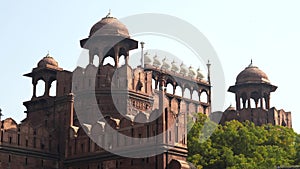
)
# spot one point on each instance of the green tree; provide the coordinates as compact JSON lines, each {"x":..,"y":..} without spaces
{"x":241,"y":145}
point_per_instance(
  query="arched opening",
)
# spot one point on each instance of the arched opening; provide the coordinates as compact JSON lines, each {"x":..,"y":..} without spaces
{"x":241,"y":103}
{"x":244,"y":100}
{"x":122,"y":60}
{"x":252,"y":103}
{"x":40,"y":88}
{"x":109,"y":60}
{"x":178,"y":91}
{"x":195,"y":95}
{"x":264,"y":105}
{"x":169,"y":88}
{"x":153,"y":84}
{"x":187,"y":93}
{"x":52,"y":91}
{"x":96,"y":60}
{"x":203,"y":97}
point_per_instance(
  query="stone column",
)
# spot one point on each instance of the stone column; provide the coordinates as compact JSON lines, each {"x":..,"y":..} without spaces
{"x":34,"y":89}
{"x":116,"y":50}
{"x":261,"y":102}
{"x":238,"y":102}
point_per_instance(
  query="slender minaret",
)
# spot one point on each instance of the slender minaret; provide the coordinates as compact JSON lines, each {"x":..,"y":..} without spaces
{"x":1,"y":114}
{"x":142,"y":54}
{"x":208,"y":71}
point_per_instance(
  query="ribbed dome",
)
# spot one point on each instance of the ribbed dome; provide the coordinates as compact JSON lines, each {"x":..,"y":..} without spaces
{"x":46,"y":61}
{"x":109,"y":26}
{"x":252,"y":74}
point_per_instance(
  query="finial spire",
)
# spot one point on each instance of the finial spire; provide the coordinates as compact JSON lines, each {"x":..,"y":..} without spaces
{"x":109,"y":12}
{"x":142,"y":54}
{"x":208,"y":71}
{"x":48,"y":55}
{"x":251,"y":63}
{"x":1,"y":114}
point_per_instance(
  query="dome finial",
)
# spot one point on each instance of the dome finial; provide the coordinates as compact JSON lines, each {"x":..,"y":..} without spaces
{"x":251,"y":64}
{"x":208,"y":71}
{"x":108,"y":15}
{"x":48,"y":54}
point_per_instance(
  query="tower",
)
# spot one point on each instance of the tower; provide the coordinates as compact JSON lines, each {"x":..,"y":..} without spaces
{"x":252,"y":95}
{"x":136,"y":116}
{"x":108,"y":38}
{"x":252,"y":84}
{"x":49,"y":115}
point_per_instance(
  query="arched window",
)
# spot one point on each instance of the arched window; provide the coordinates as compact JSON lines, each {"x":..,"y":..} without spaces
{"x":169,"y":88}
{"x":122,"y":60}
{"x":252,"y":103}
{"x":187,"y":93}
{"x":241,"y":103}
{"x":40,"y":88}
{"x":195,"y":95}
{"x":109,"y":60}
{"x":153,"y":84}
{"x":178,"y":91}
{"x":204,"y":97}
{"x":96,"y":60}
{"x":52,"y":91}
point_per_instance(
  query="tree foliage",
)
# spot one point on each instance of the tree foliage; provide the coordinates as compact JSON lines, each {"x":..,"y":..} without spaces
{"x":242,"y":145}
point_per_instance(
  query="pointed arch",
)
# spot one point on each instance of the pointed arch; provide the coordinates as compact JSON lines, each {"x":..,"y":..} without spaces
{"x":53,"y":87}
{"x":169,"y":88}
{"x":187,"y":93}
{"x":95,"y":60}
{"x":109,"y":60}
{"x":40,"y":88}
{"x":195,"y":95}
{"x":204,"y":97}
{"x":178,"y":91}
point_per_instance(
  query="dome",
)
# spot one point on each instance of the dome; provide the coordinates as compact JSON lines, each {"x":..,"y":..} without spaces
{"x":175,"y":67}
{"x":109,"y":26}
{"x":200,"y":74}
{"x":147,"y":58}
{"x":191,"y":71}
{"x":183,"y":69}
{"x":252,"y":74}
{"x":48,"y":61}
{"x":156,"y":62}
{"x":165,"y":65}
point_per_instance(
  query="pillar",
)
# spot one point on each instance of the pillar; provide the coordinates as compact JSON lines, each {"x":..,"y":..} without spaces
{"x":47,"y":87}
{"x":268,"y":101}
{"x":127,"y":58}
{"x":261,"y":103}
{"x":34,"y":88}
{"x":116,"y":50}
{"x":101,"y":56}
{"x":244,"y":103}
{"x":249,"y":103}
{"x":191,"y":92}
{"x":174,"y":87}
{"x":238,"y":102}
{"x":91,"y":57}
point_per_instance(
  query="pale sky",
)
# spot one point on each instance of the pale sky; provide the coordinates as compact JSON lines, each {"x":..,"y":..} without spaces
{"x":266,"y":31}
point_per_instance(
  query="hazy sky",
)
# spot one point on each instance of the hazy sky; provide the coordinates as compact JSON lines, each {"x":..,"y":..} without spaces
{"x":266,"y":31}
